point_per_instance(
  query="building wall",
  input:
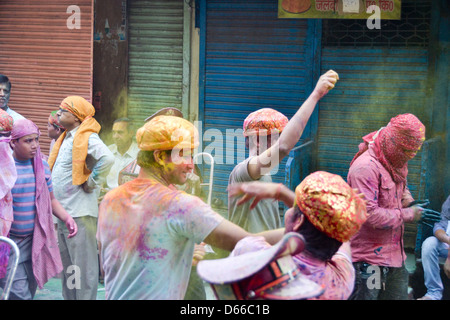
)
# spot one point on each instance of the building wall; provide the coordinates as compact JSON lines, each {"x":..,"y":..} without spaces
{"x":46,"y":51}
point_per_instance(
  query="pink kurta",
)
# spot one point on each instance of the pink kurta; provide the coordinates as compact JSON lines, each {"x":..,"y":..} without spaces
{"x":380,"y":239}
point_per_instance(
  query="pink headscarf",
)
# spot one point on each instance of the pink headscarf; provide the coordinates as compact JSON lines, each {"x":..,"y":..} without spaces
{"x":45,"y":253}
{"x":395,"y":144}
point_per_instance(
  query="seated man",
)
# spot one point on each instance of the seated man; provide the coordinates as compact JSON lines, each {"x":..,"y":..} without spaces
{"x":327,"y":212}
{"x":433,"y":248}
{"x":131,"y":171}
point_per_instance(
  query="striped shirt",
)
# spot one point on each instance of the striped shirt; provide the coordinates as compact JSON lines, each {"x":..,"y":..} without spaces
{"x":24,"y":197}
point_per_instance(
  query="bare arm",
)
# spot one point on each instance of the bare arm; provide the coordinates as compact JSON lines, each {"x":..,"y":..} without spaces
{"x":293,"y":130}
{"x":442,"y":236}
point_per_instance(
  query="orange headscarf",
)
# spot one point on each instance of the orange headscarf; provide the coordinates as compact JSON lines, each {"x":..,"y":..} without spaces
{"x":331,"y":205}
{"x":84,"y":111}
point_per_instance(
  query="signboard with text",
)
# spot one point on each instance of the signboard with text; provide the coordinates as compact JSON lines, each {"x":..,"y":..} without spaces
{"x":339,"y":9}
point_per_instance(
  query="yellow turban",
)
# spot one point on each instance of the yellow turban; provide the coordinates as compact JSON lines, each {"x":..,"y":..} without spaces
{"x":166,"y":133}
{"x":84,"y":111}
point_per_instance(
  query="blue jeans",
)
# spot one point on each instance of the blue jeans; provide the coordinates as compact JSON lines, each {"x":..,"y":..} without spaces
{"x":432,"y":250}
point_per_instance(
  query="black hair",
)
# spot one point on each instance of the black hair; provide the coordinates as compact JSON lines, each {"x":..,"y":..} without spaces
{"x":318,"y":244}
{"x":130,"y":124}
{"x":5,"y":79}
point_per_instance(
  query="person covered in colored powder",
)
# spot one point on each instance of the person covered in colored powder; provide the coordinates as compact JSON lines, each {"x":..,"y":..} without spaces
{"x":327,"y":212}
{"x":54,"y":128}
{"x":270,"y":136}
{"x":33,"y":206}
{"x":80,"y":162}
{"x":379,"y":170}
{"x":147,"y":228}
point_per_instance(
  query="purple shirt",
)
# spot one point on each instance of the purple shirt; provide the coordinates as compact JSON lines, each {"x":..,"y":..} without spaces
{"x":380,"y":239}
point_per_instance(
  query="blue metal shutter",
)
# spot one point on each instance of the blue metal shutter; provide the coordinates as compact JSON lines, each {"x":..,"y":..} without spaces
{"x":155,"y":56}
{"x":249,"y":59}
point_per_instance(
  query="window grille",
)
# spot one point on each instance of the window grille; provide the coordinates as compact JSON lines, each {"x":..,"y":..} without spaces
{"x":413,"y":30}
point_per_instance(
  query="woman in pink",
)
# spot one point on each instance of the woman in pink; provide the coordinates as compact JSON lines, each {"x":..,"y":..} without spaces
{"x":379,"y":171}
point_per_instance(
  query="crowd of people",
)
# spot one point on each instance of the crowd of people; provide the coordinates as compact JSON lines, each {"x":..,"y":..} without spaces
{"x":132,"y":212}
